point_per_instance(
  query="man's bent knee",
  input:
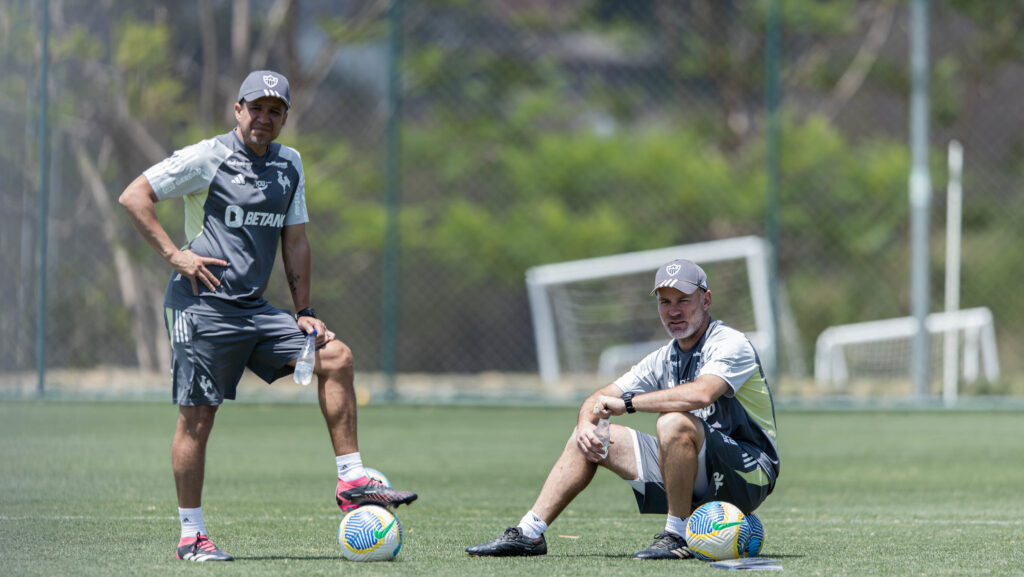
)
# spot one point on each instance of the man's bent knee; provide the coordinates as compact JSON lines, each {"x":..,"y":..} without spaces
{"x":677,"y":425}
{"x":335,"y":356}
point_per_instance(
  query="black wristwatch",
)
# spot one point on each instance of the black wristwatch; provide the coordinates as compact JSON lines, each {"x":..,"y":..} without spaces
{"x":306,"y":312}
{"x":627,"y":398}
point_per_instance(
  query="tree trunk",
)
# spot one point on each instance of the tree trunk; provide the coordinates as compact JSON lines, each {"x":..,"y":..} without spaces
{"x":128,"y":281}
{"x":208,"y":80}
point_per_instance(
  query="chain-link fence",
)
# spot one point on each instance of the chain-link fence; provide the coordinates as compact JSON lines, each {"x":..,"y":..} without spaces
{"x":527,"y":133}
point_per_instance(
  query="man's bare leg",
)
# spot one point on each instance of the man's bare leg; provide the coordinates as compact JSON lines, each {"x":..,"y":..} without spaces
{"x":188,"y":461}
{"x":335,"y":377}
{"x":336,"y":391}
{"x":680,"y":436}
{"x":188,"y":453}
{"x":571,"y":474}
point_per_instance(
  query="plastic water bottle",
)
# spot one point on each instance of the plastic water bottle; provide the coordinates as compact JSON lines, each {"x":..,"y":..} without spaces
{"x":604,"y":433}
{"x":307,"y":360}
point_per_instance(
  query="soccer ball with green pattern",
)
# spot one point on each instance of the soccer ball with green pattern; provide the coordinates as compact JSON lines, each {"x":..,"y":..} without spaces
{"x":719,"y":530}
{"x":370,"y":533}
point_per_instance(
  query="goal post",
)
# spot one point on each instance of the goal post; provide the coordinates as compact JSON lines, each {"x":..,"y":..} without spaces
{"x":590,"y":315}
{"x":879,"y":349}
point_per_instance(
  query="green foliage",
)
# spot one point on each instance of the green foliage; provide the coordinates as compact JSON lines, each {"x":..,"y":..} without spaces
{"x":78,"y":43}
{"x":1002,"y":23}
{"x":142,"y":54}
{"x":343,"y":31}
{"x":822,"y":19}
{"x":847,"y":202}
{"x":945,"y":98}
{"x":573,"y":195}
{"x":851,"y":195}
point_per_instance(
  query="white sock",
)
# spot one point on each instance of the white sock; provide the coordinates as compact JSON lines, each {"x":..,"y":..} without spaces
{"x":675,"y":525}
{"x":532,"y":525}
{"x":191,"y":522}
{"x":350,"y":467}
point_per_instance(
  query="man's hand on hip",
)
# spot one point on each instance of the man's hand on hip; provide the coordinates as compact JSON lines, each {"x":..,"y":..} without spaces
{"x":193,"y":267}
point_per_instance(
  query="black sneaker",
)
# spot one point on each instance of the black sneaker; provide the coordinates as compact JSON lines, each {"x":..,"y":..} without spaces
{"x":201,"y":549}
{"x":666,"y":546}
{"x":512,"y":543}
{"x":368,"y":491}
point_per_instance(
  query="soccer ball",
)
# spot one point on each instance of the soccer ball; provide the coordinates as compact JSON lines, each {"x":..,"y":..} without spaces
{"x":370,"y":533}
{"x":377,"y":476}
{"x":719,"y":530}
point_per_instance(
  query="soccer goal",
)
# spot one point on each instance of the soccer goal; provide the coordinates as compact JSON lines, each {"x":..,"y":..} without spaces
{"x":881,"y":349}
{"x":595,"y":316}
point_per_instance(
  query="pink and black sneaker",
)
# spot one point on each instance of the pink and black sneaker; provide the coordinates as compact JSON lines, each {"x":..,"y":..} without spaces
{"x":200,"y":548}
{"x":367,"y":491}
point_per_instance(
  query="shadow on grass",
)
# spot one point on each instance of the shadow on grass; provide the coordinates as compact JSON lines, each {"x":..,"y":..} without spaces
{"x":782,"y":556}
{"x":630,"y":556}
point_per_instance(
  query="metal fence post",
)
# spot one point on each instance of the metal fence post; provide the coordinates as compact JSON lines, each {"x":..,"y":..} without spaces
{"x":44,"y":198}
{"x":389,"y":329}
{"x":774,"y":171}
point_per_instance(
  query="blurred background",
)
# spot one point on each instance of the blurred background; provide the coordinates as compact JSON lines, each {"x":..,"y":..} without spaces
{"x":451,"y":146}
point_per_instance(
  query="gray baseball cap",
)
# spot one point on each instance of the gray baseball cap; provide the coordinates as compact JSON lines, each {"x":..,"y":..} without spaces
{"x":260,"y":83}
{"x":681,"y":275}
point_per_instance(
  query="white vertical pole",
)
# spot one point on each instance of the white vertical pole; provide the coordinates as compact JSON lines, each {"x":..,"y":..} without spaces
{"x":543,"y":330}
{"x":954,"y":210}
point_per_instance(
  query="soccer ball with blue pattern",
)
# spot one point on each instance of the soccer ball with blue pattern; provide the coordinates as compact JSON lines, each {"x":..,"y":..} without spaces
{"x":719,"y":530}
{"x":377,"y":476}
{"x":370,"y":533}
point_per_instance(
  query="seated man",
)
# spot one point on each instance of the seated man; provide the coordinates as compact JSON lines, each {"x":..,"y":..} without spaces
{"x":716,"y":437}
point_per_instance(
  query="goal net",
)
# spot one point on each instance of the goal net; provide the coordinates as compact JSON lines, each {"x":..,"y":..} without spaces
{"x":596,"y":315}
{"x":881,"y":350}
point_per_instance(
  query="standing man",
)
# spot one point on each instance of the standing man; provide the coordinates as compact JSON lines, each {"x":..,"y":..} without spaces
{"x":243,"y":193}
{"x":716,"y":438}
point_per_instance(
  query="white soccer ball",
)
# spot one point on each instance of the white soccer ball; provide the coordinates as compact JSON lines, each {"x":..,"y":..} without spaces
{"x":370,"y":533}
{"x":719,"y":530}
{"x":377,"y":476}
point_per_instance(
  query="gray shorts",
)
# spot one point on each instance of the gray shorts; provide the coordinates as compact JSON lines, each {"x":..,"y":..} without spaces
{"x":210,"y":353}
{"x":731,"y":468}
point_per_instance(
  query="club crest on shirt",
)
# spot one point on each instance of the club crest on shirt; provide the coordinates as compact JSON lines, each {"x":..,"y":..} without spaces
{"x":284,"y":181}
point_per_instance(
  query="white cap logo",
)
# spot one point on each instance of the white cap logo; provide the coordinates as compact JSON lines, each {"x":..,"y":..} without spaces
{"x":270,"y":80}
{"x":673,"y":269}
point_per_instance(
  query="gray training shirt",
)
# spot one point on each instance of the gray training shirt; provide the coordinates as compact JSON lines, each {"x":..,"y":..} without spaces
{"x":745,"y":412}
{"x":235,"y":206}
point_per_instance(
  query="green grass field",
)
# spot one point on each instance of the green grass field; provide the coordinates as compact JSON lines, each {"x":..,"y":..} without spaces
{"x":86,"y":489}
